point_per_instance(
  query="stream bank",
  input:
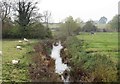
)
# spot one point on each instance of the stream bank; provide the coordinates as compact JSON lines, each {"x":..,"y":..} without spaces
{"x":43,"y":67}
{"x":84,"y":67}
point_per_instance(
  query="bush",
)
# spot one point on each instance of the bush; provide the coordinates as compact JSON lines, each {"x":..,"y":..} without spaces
{"x":35,"y":30}
{"x":15,"y":32}
{"x":100,"y":67}
{"x":6,"y":27}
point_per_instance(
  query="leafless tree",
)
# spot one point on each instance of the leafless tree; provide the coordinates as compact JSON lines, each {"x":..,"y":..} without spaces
{"x":46,"y":15}
{"x":5,"y":8}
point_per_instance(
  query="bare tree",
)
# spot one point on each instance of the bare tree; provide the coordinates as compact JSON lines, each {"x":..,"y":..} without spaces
{"x":25,"y":11}
{"x":5,"y":7}
{"x":46,"y":15}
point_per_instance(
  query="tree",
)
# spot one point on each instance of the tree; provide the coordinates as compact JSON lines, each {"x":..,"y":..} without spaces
{"x":113,"y":24}
{"x":79,"y":22}
{"x":7,"y":27}
{"x":5,"y":7}
{"x":70,"y":26}
{"x":26,"y":10}
{"x":46,"y":15}
{"x":37,"y":30}
{"x":89,"y":26}
{"x":5,"y":10}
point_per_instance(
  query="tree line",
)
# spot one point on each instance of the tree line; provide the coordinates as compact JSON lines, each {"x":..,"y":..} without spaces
{"x":71,"y":26}
{"x":21,"y":19}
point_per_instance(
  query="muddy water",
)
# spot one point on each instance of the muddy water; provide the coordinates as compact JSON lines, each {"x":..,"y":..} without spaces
{"x":59,"y":66}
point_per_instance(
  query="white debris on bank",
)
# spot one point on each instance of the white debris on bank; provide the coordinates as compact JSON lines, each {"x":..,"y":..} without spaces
{"x":15,"y":61}
{"x":20,"y":41}
{"x":0,"y":52}
{"x":26,"y":40}
{"x":19,"y":47}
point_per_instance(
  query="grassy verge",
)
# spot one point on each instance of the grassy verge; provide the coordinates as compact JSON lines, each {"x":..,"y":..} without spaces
{"x":17,"y":72}
{"x":0,"y":62}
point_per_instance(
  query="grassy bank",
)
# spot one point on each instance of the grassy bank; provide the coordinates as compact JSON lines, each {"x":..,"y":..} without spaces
{"x":18,"y":72}
{"x":101,"y":49}
{"x":94,"y":58}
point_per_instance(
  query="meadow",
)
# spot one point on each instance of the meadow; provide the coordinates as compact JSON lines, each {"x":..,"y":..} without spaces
{"x":19,"y":72}
{"x":100,"y":42}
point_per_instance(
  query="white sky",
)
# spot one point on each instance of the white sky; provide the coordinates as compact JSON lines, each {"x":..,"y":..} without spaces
{"x":84,"y":9}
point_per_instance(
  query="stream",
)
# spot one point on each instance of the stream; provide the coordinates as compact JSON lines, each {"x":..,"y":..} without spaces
{"x":59,"y":66}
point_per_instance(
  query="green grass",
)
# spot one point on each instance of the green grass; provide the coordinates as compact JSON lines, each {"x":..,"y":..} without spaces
{"x":102,"y":42}
{"x":0,"y":62}
{"x":18,"y":72}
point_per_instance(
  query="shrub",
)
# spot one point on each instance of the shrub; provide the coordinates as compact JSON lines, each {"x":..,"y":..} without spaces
{"x":15,"y":32}
{"x":37,"y":30}
{"x":100,"y":67}
{"x":6,"y":27}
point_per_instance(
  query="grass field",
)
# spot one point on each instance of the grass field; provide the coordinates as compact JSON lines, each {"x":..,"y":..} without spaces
{"x":105,"y":43}
{"x":0,"y":62}
{"x":16,"y":72}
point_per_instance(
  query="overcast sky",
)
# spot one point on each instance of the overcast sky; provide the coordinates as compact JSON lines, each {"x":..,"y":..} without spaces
{"x":84,"y":9}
